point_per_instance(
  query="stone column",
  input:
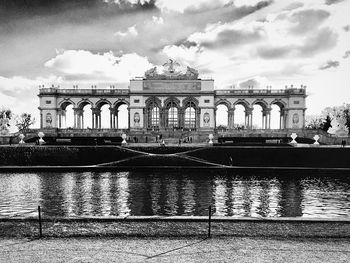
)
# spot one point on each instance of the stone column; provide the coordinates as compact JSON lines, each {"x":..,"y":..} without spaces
{"x":113,"y":118}
{"x":198,"y":118}
{"x":231,"y":118}
{"x":145,"y":118}
{"x":181,"y":117}
{"x":77,"y":118}
{"x":249,"y":117}
{"x":161,"y":117}
{"x":96,"y":116}
{"x":266,"y":118}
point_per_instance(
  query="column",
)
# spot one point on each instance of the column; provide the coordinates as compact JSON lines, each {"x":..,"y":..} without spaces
{"x":266,"y":118}
{"x":181,"y":117}
{"x":198,"y":118}
{"x":113,"y":117}
{"x":59,"y":118}
{"x":78,"y":118}
{"x":96,"y":118}
{"x":249,"y":118}
{"x":145,"y":118}
{"x":161,"y":117}
{"x":231,"y":118}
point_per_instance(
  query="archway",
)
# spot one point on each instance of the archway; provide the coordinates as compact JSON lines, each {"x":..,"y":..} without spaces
{"x":190,"y":115}
{"x":222,"y":116}
{"x":275,"y":116}
{"x":69,"y":116}
{"x":87,"y":116}
{"x":257,"y":117}
{"x":123,"y":116}
{"x":240,"y":119}
{"x":105,"y":116}
{"x":172,"y":112}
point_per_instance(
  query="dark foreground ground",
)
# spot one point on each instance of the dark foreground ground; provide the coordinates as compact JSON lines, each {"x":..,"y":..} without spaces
{"x":227,"y":249}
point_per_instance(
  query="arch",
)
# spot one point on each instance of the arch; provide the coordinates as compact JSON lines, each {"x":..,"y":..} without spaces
{"x":81,"y":104}
{"x":66,"y":102}
{"x":153,"y":100}
{"x":102,"y":102}
{"x":171,"y":101}
{"x":188,"y":100}
{"x":223,"y":102}
{"x":242,"y":102}
{"x":120,"y":102}
{"x":264,"y":105}
{"x":279,"y":102}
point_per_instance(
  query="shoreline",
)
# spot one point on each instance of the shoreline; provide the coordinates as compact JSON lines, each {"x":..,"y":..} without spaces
{"x":175,"y":227}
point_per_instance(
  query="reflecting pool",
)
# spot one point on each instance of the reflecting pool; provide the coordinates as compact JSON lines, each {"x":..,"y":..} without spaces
{"x":258,"y":194}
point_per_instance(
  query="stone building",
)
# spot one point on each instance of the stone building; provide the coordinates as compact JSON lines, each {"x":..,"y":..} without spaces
{"x":171,"y":100}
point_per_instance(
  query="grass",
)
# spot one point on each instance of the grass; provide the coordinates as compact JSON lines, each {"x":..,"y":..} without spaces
{"x":20,"y":228}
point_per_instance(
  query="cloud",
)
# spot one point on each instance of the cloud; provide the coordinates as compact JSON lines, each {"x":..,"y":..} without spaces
{"x":307,"y":20}
{"x":331,"y":2}
{"x":158,"y":20}
{"x":131,"y":31}
{"x":76,"y":64}
{"x":74,"y":10}
{"x":323,"y":40}
{"x":220,"y":35}
{"x":346,"y":28}
{"x":329,"y":64}
{"x":184,"y":5}
{"x":274,"y":52}
{"x":347,"y":54}
{"x":256,"y":82}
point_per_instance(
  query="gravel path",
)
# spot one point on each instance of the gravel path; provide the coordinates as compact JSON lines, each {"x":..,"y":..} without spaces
{"x":230,"y":249}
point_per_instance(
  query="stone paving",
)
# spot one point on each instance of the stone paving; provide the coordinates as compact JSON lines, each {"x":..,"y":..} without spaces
{"x":233,"y":249}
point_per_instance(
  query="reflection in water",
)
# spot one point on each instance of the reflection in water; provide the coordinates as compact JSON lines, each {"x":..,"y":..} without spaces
{"x":174,"y":193}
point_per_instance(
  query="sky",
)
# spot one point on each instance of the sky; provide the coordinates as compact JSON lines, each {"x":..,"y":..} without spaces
{"x":238,"y":43}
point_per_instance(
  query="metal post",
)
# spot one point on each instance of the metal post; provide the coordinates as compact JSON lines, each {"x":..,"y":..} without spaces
{"x":40,"y":226}
{"x":209,"y":222}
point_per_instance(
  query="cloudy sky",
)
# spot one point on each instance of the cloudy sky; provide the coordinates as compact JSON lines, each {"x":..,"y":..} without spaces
{"x":236,"y":42}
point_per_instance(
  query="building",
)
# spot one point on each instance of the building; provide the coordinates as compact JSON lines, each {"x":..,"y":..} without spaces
{"x":171,"y":100}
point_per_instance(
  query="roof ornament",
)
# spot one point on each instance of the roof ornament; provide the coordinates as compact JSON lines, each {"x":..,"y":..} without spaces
{"x":171,"y":65}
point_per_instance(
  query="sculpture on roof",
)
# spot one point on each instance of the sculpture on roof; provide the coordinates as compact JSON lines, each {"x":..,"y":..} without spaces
{"x":192,"y":73}
{"x":171,"y":73}
{"x":151,"y":72}
{"x":171,"y":65}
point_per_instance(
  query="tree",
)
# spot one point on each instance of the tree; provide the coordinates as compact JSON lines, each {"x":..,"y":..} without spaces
{"x":5,"y":117}
{"x":313,"y":122}
{"x":326,"y":123}
{"x":24,"y":121}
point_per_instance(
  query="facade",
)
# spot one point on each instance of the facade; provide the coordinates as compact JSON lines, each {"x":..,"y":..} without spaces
{"x":171,"y":100}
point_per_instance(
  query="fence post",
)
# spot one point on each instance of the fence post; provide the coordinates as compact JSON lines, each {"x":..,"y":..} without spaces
{"x":40,"y":226}
{"x":209,"y":222}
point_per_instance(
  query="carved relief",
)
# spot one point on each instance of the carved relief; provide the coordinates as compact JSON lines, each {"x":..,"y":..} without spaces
{"x":48,"y":120}
{"x":295,"y":120}
{"x":137,"y":119}
{"x":206,"y":119}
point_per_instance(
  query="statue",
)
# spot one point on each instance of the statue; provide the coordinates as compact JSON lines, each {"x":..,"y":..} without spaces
{"x":191,"y":73}
{"x":151,"y":72}
{"x":171,"y":65}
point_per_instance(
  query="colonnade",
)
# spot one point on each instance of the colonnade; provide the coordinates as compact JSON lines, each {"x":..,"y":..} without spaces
{"x":248,"y":120}
{"x":79,"y":118}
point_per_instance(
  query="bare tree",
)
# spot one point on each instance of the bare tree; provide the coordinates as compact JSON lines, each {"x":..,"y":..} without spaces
{"x":24,"y":121}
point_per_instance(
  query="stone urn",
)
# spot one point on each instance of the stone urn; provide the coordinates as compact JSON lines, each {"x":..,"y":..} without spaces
{"x":316,"y":138}
{"x":21,"y":137}
{"x":211,"y":137}
{"x":41,"y":135}
{"x":124,"y":139}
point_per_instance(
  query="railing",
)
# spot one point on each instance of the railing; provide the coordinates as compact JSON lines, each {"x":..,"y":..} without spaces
{"x":261,"y":91}
{"x":84,"y":91}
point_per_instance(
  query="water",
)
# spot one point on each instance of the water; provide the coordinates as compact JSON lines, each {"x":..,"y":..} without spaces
{"x":287,"y":194}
